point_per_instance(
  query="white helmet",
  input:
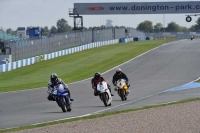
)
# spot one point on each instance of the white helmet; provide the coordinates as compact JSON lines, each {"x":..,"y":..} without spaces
{"x":118,"y":70}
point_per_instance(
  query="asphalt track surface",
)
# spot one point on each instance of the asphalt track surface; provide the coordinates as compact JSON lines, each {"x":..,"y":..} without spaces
{"x":150,"y":75}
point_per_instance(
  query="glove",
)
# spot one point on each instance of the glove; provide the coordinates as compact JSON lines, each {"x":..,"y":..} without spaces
{"x":95,"y":89}
{"x":50,"y":89}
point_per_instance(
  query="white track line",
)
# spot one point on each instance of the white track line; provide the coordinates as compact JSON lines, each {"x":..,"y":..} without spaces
{"x":97,"y":112}
{"x":103,"y":72}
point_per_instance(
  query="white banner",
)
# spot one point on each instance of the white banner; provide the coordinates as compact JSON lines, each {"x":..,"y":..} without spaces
{"x":137,"y":8}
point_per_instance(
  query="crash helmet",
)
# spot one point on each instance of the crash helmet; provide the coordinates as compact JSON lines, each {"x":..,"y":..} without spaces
{"x":54,"y":78}
{"x":118,"y":71}
{"x":97,"y":75}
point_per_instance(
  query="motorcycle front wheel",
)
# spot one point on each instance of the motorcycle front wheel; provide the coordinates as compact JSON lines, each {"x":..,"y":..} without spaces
{"x":122,"y":94}
{"x":62,"y":105}
{"x":68,"y":104}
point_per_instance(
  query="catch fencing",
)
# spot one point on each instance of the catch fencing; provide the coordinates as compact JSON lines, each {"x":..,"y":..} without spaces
{"x":29,"y":61}
{"x":22,"y":49}
{"x":180,"y":35}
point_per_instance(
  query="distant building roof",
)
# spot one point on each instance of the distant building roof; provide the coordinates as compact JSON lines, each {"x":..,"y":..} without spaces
{"x":21,"y":28}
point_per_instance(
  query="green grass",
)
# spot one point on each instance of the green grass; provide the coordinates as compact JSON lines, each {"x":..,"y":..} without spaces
{"x":197,"y":80}
{"x":96,"y":116}
{"x":74,"y":67}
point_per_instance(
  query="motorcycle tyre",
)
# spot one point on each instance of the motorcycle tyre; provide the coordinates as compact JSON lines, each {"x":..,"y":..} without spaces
{"x":62,"y":105}
{"x":68,"y":104}
{"x":121,"y":93}
{"x":104,"y":99}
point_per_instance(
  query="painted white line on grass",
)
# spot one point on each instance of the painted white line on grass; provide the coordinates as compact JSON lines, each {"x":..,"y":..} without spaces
{"x":103,"y":72}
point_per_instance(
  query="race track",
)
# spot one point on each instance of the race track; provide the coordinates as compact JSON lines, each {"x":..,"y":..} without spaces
{"x":150,"y":74}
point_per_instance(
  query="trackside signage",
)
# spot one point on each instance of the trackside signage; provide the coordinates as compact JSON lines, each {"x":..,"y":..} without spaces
{"x":137,"y":8}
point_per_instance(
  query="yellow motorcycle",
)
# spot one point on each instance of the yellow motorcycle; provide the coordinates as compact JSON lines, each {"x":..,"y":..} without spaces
{"x":122,"y":89}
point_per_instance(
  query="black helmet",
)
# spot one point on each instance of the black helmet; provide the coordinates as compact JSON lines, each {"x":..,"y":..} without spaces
{"x":97,"y":75}
{"x":118,"y":71}
{"x":53,"y":78}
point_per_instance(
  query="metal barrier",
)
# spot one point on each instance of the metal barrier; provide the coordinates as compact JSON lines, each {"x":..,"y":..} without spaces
{"x":22,"y":49}
{"x":29,"y":61}
{"x":180,"y":35}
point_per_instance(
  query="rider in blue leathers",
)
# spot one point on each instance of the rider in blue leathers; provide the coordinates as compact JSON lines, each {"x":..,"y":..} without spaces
{"x":54,"y":80}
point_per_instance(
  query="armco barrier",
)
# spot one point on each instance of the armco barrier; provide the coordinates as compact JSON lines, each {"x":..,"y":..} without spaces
{"x":138,"y":38}
{"x":122,"y":40}
{"x":149,"y":38}
{"x":129,"y":39}
{"x":32,"y":60}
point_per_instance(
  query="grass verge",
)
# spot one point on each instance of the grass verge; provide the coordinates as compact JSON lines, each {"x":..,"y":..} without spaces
{"x":197,"y":80}
{"x":75,"y":67}
{"x":95,"y":116}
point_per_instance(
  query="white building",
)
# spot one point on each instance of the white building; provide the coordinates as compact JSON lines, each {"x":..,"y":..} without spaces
{"x":21,"y":32}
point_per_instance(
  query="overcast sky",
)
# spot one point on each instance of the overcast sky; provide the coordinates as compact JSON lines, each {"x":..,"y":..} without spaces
{"x":23,"y":13}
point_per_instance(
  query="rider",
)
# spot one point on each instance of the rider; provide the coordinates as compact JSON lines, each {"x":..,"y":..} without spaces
{"x":54,"y":80}
{"x":192,"y":37}
{"x":98,"y":78}
{"x":119,"y":75}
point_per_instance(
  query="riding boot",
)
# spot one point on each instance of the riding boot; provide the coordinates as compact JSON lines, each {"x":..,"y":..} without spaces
{"x":50,"y":98}
{"x":70,"y":96}
{"x":128,"y":85}
{"x":110,"y":90}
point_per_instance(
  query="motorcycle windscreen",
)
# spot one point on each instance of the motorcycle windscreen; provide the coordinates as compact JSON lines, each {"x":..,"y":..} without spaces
{"x":120,"y":83}
{"x":102,"y":86}
{"x":60,"y":89}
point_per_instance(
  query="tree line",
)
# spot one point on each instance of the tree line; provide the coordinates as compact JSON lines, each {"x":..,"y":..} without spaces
{"x":61,"y":26}
{"x":147,"y":26}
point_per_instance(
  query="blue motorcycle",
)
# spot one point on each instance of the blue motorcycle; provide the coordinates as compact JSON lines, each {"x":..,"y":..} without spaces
{"x":62,"y":98}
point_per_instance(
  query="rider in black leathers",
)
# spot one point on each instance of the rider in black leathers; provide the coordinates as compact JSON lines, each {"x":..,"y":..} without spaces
{"x":119,"y":75}
{"x":98,"y":78}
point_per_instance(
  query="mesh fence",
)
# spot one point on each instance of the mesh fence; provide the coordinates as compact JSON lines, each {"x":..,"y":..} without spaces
{"x":133,"y":32}
{"x":119,"y":33}
{"x":102,"y":35}
{"x":171,"y":35}
{"x":22,"y":49}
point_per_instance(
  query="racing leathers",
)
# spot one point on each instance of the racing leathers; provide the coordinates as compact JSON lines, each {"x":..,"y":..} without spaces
{"x":94,"y":83}
{"x":116,"y":77}
{"x":51,"y":89}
